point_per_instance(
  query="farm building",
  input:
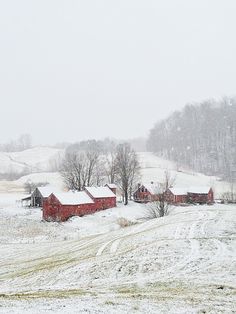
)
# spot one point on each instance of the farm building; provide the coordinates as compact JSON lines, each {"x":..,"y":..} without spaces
{"x":201,"y":195}
{"x":61,"y":206}
{"x":40,"y":194}
{"x":112,"y":187}
{"x":176,"y":195}
{"x":147,"y":192}
{"x":103,"y":197}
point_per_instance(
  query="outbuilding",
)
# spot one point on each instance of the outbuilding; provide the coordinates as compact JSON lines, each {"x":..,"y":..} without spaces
{"x":200,"y":195}
{"x":148,"y":192}
{"x":103,"y":197}
{"x":62,"y":206}
{"x":40,"y":194}
{"x":176,"y":195}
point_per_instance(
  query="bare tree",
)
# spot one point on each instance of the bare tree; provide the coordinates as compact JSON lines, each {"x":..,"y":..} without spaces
{"x":72,"y":170}
{"x":110,"y":167}
{"x":127,"y":166}
{"x":82,"y":168}
{"x":160,"y":207}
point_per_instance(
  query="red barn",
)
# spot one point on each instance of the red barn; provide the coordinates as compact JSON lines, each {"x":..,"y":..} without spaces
{"x":201,"y":195}
{"x":103,"y":197}
{"x":61,"y":206}
{"x":176,"y":195}
{"x":147,"y":192}
{"x":112,"y":187}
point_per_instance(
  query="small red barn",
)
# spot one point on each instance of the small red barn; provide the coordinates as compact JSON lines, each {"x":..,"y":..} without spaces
{"x":176,"y":195}
{"x":112,"y":187}
{"x":201,"y":195}
{"x":147,"y":192}
{"x":103,"y":197}
{"x":61,"y":206}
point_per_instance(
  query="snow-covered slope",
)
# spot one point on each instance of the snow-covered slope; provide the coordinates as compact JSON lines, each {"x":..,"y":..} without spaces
{"x":153,"y":169}
{"x":182,"y":263}
{"x":34,"y":160}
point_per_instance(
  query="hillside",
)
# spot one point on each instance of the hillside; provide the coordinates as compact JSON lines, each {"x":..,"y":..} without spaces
{"x":182,"y":263}
{"x":36,"y":159}
{"x":152,"y":169}
{"x":201,"y":136}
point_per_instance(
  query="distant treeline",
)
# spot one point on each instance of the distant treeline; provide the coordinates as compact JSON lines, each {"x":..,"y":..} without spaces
{"x":201,"y":136}
{"x":21,"y":143}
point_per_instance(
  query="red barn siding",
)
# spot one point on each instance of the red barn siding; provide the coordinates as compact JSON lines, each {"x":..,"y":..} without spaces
{"x":201,"y":198}
{"x":53,"y":210}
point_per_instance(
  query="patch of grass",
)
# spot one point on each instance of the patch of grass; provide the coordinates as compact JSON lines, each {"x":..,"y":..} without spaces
{"x":50,"y":294}
{"x":109,"y":302}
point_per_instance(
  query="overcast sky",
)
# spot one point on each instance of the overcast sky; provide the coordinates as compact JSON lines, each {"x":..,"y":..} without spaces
{"x":72,"y":70}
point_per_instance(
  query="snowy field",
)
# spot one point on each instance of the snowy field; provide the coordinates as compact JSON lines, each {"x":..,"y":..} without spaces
{"x":182,"y":263}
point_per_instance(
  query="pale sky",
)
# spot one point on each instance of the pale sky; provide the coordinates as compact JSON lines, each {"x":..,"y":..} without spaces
{"x":73,"y":70}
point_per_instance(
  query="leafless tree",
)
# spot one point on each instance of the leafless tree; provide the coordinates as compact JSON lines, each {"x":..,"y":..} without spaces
{"x":72,"y":171}
{"x":127,"y":166}
{"x":160,"y":207}
{"x":81,"y":168}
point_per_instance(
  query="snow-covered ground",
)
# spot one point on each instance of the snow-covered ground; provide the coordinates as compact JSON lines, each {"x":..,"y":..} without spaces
{"x":35,"y":159}
{"x":152,"y":169}
{"x":181,"y":263}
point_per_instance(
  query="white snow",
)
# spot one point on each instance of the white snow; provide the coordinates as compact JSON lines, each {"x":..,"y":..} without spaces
{"x":73,"y":198}
{"x":47,"y":190}
{"x":179,"y":191}
{"x":182,"y":263}
{"x":100,"y":192}
{"x":35,"y":159}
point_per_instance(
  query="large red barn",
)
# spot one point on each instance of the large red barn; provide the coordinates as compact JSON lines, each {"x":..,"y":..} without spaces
{"x":61,"y":206}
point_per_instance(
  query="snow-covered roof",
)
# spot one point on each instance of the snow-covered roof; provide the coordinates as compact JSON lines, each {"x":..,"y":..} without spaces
{"x":179,"y":191}
{"x":47,"y":190}
{"x":153,"y":188}
{"x":199,"y":189}
{"x":111,"y":185}
{"x":73,"y":198}
{"x":193,"y":189}
{"x":100,"y":192}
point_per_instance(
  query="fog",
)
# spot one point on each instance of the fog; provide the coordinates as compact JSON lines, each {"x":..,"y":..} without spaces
{"x":73,"y":70}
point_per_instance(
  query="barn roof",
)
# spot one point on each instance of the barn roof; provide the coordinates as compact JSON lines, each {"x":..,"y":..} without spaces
{"x":199,"y":189}
{"x":100,"y":192}
{"x":153,"y":188}
{"x":192,"y":189}
{"x":47,"y":190}
{"x":178,"y":191}
{"x":73,"y":198}
{"x":111,"y":185}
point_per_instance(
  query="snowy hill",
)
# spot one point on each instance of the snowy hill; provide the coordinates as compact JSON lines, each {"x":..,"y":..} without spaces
{"x":181,"y":263}
{"x":36,"y":159}
{"x":152,"y":169}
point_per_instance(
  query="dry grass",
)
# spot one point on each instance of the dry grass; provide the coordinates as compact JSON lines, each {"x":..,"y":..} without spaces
{"x":123,"y":222}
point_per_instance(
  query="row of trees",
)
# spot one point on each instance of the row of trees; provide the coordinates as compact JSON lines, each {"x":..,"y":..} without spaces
{"x":23,"y":142}
{"x":202,"y":136}
{"x":91,"y":163}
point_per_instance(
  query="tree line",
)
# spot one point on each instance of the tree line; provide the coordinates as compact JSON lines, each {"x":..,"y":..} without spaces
{"x":201,"y":136}
{"x":94,"y":163}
